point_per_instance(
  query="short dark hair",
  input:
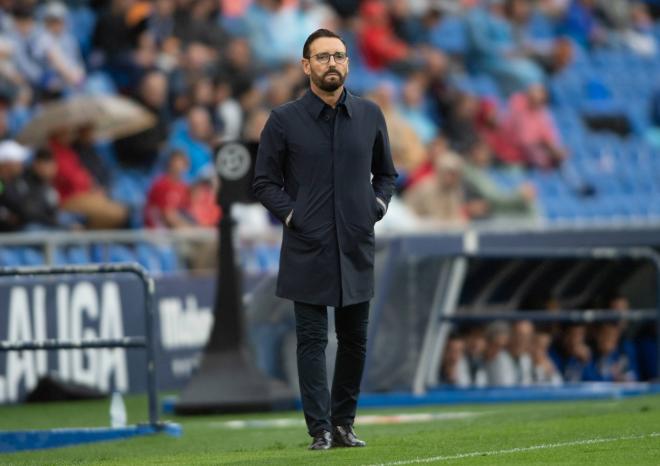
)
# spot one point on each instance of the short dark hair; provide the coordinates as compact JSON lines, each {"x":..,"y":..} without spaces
{"x":43,"y":155}
{"x":318,"y":34}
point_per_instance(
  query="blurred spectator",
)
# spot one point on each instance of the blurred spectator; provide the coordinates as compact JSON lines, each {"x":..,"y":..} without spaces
{"x":141,"y":150}
{"x":614,"y":360}
{"x":520,"y":349}
{"x":436,"y":190}
{"x":581,"y":24}
{"x":475,"y":347}
{"x":620,"y":304}
{"x":84,"y":145}
{"x":441,"y":92}
{"x":279,"y":91}
{"x":23,"y":36}
{"x":254,"y":124}
{"x":275,"y":31}
{"x":532,"y":131}
{"x":639,"y":35}
{"x":571,"y":354}
{"x":35,"y":189}
{"x":58,"y":50}
{"x":228,"y":111}
{"x":454,"y":370}
{"x":460,"y":121}
{"x":199,"y":22}
{"x":485,"y":198}
{"x":12,"y":157}
{"x":615,"y":14}
{"x":544,"y":370}
{"x":4,"y":121}
{"x":493,"y":50}
{"x":161,"y":21}
{"x":550,"y":52}
{"x":114,"y":41}
{"x":203,"y":208}
{"x":490,"y":127}
{"x":77,"y":189}
{"x":379,"y":45}
{"x":499,"y":365}
{"x":238,"y":67}
{"x":168,"y":198}
{"x":194,"y":136}
{"x":406,"y":23}
{"x":199,"y":62}
{"x":413,"y":108}
{"x":408,"y":152}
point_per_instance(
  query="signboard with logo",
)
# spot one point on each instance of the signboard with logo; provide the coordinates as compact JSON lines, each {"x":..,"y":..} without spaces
{"x":101,"y":307}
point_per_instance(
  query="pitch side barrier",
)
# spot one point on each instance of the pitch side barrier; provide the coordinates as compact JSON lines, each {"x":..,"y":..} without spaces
{"x":456,"y":252}
{"x":11,"y":441}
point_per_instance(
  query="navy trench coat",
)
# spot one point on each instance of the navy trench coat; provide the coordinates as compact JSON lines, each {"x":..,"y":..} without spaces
{"x":324,"y":175}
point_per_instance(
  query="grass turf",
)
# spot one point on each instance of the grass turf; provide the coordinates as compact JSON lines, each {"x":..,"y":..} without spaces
{"x":627,"y":425}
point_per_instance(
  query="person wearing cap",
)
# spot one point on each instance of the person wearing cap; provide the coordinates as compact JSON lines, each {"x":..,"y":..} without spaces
{"x":35,"y":187}
{"x":12,"y":158}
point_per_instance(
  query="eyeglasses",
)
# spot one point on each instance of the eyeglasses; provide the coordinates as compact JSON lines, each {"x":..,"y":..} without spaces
{"x":340,"y":57}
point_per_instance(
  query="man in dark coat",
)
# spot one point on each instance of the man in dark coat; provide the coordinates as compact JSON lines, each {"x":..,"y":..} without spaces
{"x":314,"y":172}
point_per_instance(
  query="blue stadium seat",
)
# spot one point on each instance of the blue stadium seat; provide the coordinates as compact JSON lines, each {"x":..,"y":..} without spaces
{"x":77,"y":255}
{"x":60,"y":257}
{"x":147,"y":255}
{"x":31,"y":256}
{"x":120,"y":253}
{"x":169,"y":259}
{"x":130,"y":188}
{"x":10,"y":257}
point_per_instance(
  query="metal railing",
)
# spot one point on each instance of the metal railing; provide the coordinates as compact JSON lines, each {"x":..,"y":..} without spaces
{"x":146,"y":342}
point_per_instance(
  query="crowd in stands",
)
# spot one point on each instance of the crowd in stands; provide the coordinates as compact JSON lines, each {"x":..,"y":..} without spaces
{"x":522,"y":353}
{"x":463,"y":85}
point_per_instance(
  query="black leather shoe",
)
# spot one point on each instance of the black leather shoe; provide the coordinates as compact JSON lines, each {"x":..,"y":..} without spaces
{"x":344,"y":436}
{"x":322,"y":441}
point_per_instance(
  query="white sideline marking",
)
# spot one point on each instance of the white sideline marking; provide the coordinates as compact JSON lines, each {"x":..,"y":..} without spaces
{"x":544,"y":446}
{"x":361,"y":420}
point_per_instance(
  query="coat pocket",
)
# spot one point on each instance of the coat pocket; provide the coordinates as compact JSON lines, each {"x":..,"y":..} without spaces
{"x":299,"y":207}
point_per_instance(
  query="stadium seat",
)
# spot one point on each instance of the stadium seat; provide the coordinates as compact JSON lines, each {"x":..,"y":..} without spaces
{"x":147,"y":255}
{"x":10,"y":257}
{"x":31,"y":256}
{"x":120,"y":253}
{"x":169,"y":259}
{"x":79,"y":254}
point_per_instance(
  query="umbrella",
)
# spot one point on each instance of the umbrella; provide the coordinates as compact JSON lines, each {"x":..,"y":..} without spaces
{"x":112,"y":117}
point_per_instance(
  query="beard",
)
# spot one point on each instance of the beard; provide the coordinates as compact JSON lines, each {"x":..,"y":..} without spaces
{"x":330,"y":81}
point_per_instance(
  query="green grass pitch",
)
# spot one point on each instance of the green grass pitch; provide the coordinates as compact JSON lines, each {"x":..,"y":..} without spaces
{"x":615,"y":432}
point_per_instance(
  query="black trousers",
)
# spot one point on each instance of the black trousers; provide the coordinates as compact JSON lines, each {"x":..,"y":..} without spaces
{"x":322,"y":408}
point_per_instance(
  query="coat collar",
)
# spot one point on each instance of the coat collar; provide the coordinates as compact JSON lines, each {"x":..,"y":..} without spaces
{"x":314,"y":104}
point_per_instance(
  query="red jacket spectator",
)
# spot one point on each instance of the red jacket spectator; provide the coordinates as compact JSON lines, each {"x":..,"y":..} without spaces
{"x":491,"y":129}
{"x":169,"y":196}
{"x":166,"y":194}
{"x":203,"y":207}
{"x":379,"y":45}
{"x":72,"y":177}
